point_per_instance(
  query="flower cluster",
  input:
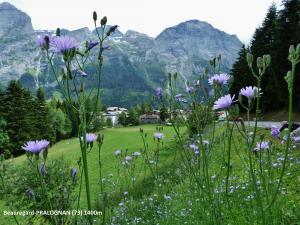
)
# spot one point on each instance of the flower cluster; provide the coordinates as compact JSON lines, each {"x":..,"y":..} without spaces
{"x":224,"y":102}
{"x":221,"y":79}
{"x":36,"y":146}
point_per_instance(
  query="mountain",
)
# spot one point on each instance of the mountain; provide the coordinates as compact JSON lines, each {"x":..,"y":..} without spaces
{"x":134,"y":64}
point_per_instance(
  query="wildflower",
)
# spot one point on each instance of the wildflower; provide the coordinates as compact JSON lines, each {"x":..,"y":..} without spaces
{"x":275,"y":131}
{"x":189,"y":89}
{"x":219,"y":79}
{"x":43,"y":41}
{"x":295,"y":139}
{"x":136,"y":154}
{"x":63,"y":44}
{"x":43,"y":169}
{"x":117,"y":152}
{"x":128,"y":158}
{"x":91,"y":45}
{"x":30,"y":193}
{"x":35,"y":146}
{"x":167,"y":197}
{"x":224,"y":102}
{"x":82,"y":73}
{"x":206,"y":142}
{"x":112,"y":29}
{"x":263,"y":145}
{"x":179,"y":97}
{"x":249,"y":92}
{"x":73,"y":172}
{"x":194,"y":147}
{"x":159,"y":92}
{"x":90,"y":137}
{"x":158,"y":136}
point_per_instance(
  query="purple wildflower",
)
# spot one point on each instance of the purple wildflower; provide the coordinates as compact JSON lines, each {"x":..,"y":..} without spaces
{"x":249,"y":92}
{"x":30,"y":193}
{"x":159,"y":92}
{"x":90,"y":137}
{"x":63,"y":44}
{"x":178,"y":97}
{"x":189,"y":89}
{"x":223,"y":102}
{"x":194,"y":147}
{"x":82,"y":73}
{"x":42,"y":41}
{"x":275,"y":131}
{"x":263,"y":145}
{"x":43,"y":169}
{"x":136,"y":154}
{"x":105,"y":48}
{"x":35,"y":146}
{"x":91,"y":45}
{"x":73,"y":172}
{"x":296,"y":139}
{"x":158,"y":136}
{"x":206,"y":142}
{"x":117,"y":152}
{"x":219,"y":79}
{"x":128,"y":158}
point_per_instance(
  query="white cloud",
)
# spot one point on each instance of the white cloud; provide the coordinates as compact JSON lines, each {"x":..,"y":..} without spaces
{"x":239,"y":17}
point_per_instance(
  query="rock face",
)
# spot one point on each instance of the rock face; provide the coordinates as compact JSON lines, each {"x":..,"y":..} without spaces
{"x":14,"y":22}
{"x":133,"y":56}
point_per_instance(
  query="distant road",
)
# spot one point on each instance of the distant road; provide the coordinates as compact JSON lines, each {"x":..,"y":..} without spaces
{"x":263,"y":124}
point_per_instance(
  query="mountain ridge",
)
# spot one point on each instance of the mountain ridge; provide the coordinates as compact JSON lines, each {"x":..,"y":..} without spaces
{"x":186,"y":48}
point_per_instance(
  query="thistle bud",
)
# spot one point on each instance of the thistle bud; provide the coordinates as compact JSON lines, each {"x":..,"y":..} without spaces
{"x":267,"y":59}
{"x":57,"y":31}
{"x":259,"y":62}
{"x":103,"y":21}
{"x":47,"y":42}
{"x":292,"y":50}
{"x":249,"y":59}
{"x":298,"y":49}
{"x":95,"y":16}
{"x":175,"y":75}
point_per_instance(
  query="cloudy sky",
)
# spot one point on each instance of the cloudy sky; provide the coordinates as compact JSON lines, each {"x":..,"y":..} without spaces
{"x":239,"y":17}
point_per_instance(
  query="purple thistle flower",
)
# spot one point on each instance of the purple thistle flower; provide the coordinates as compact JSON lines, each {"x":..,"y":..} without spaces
{"x":42,"y":41}
{"x":194,"y":147}
{"x":43,"y":169}
{"x":249,"y":92}
{"x":136,"y":154}
{"x":105,"y":48}
{"x":29,"y":192}
{"x":275,"y":131}
{"x":159,"y":92}
{"x":158,"y":136}
{"x":263,"y":145}
{"x":35,"y":146}
{"x":91,"y":45}
{"x":219,"y":79}
{"x":178,"y":97}
{"x":63,"y":44}
{"x":206,"y":142}
{"x":82,"y":73}
{"x":117,"y":152}
{"x":189,"y":89}
{"x":223,"y":102}
{"x":73,"y":172}
{"x":296,"y":139}
{"x":90,"y":137}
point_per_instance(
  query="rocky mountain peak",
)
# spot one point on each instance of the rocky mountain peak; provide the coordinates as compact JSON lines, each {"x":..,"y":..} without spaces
{"x":13,"y":22}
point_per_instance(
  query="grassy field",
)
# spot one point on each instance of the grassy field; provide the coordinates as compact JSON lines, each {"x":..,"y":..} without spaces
{"x":175,"y":181}
{"x":114,"y":138}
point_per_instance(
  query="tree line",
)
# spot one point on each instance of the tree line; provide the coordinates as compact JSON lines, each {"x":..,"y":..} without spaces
{"x":279,"y":30}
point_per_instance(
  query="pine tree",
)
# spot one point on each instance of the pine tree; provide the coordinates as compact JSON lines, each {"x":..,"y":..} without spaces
{"x":241,"y":74}
{"x":43,"y":126}
{"x":16,"y":109}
